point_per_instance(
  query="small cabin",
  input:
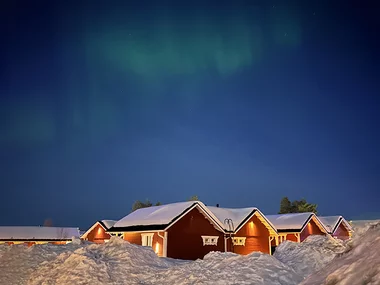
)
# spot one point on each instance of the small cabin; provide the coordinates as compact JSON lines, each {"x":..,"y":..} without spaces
{"x":184,"y":230}
{"x":337,"y":226}
{"x":98,"y":231}
{"x":37,"y":235}
{"x":296,"y":226}
{"x":247,"y":230}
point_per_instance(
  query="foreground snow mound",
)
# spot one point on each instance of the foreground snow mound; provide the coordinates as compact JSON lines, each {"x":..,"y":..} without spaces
{"x":360,"y":227}
{"x":311,"y":255}
{"x":360,"y":264}
{"x":229,"y":268}
{"x":17,"y":262}
{"x":116,"y":262}
{"x":119,"y":262}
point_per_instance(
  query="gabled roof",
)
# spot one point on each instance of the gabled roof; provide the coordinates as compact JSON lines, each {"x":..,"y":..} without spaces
{"x":162,"y":217}
{"x":239,"y":217}
{"x":332,"y":223}
{"x":105,"y":224}
{"x":294,"y":222}
{"x":37,"y":233}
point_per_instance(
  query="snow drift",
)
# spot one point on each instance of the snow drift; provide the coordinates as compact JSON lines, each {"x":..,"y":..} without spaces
{"x":17,"y":262}
{"x":311,"y":255}
{"x":359,"y":264}
{"x":119,"y":262}
{"x":319,"y":259}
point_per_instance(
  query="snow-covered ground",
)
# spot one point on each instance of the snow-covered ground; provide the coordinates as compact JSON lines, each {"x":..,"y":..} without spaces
{"x":359,"y":264}
{"x":318,"y":260}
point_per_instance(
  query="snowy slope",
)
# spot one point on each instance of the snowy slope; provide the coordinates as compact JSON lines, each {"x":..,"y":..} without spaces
{"x":17,"y":262}
{"x":311,"y":255}
{"x":360,"y":264}
{"x":119,"y":262}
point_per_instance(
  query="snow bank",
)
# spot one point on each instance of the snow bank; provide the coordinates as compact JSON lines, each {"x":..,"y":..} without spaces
{"x":17,"y":262}
{"x":311,"y":255}
{"x":116,"y":262}
{"x":228,"y":268}
{"x":360,"y":264}
{"x":119,"y":262}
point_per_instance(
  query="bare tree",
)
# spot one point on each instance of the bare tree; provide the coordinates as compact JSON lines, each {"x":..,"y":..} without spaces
{"x":48,"y":223}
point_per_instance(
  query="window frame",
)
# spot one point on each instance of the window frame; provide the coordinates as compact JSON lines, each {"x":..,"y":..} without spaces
{"x":239,"y":241}
{"x":147,"y":239}
{"x":210,"y":240}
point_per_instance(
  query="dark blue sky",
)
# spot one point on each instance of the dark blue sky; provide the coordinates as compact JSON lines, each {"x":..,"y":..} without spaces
{"x":240,"y":104}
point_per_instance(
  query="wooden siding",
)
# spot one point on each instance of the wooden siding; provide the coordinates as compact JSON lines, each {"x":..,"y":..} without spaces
{"x":134,"y":238}
{"x":257,"y":237}
{"x":98,"y":235}
{"x":341,"y":233}
{"x":291,"y":237}
{"x":157,"y":243}
{"x":185,"y":237}
{"x":310,"y":229}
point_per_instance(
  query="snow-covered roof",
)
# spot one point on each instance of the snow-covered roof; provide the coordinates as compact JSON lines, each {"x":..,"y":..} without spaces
{"x":162,"y":215}
{"x":238,"y":217}
{"x":332,"y":222}
{"x":293,"y":221}
{"x":105,"y":224}
{"x":108,"y":223}
{"x":38,"y":233}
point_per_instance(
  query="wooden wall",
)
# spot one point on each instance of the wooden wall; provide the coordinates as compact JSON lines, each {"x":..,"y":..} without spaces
{"x":98,"y":235}
{"x":157,"y":244}
{"x":341,"y":233}
{"x":184,"y":237}
{"x":310,"y":229}
{"x":257,"y":237}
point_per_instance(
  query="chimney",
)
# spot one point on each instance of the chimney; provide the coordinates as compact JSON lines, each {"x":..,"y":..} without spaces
{"x":217,"y":205}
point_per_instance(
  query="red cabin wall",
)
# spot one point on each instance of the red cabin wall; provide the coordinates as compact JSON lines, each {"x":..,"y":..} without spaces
{"x":157,"y":242}
{"x":341,"y":233}
{"x":310,"y":229}
{"x":257,"y":237}
{"x":134,"y":238}
{"x":185,"y":237}
{"x":98,"y":235}
{"x":291,"y":237}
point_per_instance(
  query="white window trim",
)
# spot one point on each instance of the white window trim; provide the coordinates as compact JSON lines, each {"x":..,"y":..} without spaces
{"x":115,"y":234}
{"x":143,"y":239}
{"x":210,"y":240}
{"x":239,"y":241}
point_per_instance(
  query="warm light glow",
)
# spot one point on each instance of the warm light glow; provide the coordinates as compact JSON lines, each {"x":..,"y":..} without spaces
{"x":99,"y":231}
{"x":251,"y":224}
{"x":157,"y":248}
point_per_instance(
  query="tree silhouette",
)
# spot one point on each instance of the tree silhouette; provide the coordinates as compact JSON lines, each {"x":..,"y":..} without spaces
{"x":297,"y":206}
{"x":194,"y":198}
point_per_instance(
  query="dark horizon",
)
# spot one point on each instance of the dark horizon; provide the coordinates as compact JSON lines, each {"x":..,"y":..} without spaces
{"x":240,"y":104}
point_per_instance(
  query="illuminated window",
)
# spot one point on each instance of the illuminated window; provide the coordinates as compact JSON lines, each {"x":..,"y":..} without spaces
{"x":239,"y":241}
{"x":210,"y":240}
{"x":147,"y":239}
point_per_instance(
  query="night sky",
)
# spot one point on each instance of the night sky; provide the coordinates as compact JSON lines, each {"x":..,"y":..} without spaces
{"x":241,"y":104}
